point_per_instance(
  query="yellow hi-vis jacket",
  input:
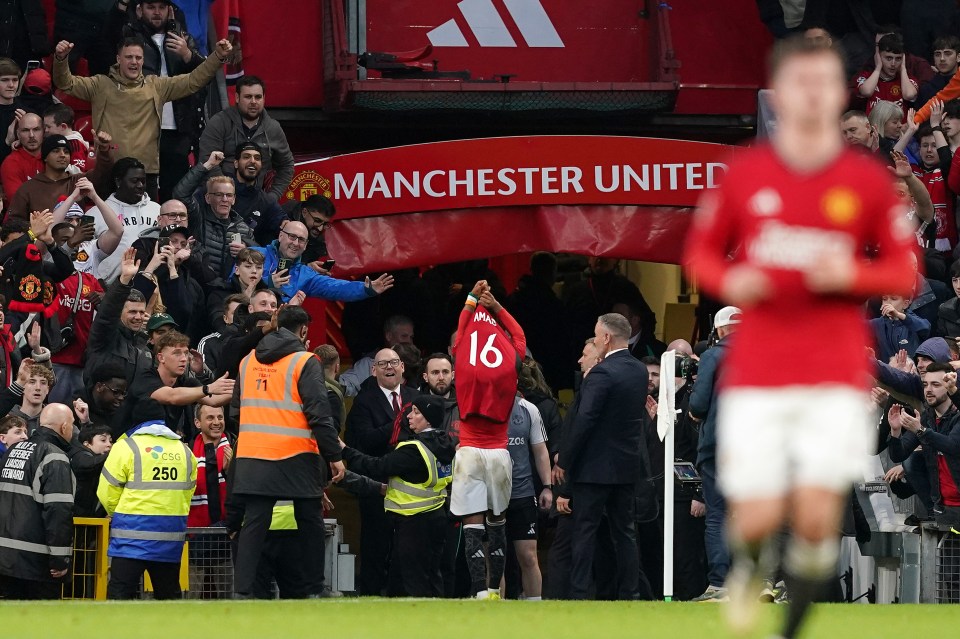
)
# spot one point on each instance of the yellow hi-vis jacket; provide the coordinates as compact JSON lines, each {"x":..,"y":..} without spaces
{"x":146,"y":485}
{"x":405,"y":498}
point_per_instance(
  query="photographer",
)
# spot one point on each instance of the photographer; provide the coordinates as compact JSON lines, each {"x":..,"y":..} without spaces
{"x":703,"y":409}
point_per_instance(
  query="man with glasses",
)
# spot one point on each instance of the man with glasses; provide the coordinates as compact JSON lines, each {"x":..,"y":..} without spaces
{"x":103,"y":396}
{"x":219,"y":230}
{"x":295,"y":276}
{"x":373,"y":428}
{"x":316,"y":213}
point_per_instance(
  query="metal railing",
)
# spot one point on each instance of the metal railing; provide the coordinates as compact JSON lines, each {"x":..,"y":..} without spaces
{"x":206,"y":569}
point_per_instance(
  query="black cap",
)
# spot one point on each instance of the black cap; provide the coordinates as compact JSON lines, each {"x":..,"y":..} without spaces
{"x":245,"y":145}
{"x":432,"y":409}
{"x":170,"y":229}
{"x":52,"y":142}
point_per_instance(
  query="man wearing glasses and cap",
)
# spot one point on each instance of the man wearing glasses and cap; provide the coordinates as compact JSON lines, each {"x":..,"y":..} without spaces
{"x":284,"y":269}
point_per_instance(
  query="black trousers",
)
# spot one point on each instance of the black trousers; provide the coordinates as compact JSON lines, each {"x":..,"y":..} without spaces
{"x":689,"y":555}
{"x":417,"y":553}
{"x":453,"y":563}
{"x":282,"y":561}
{"x":125,"y":577}
{"x":253,"y":537}
{"x":557,"y":584}
{"x":589,"y":503}
{"x":174,"y":161}
{"x":376,"y":540}
{"x":13,"y":588}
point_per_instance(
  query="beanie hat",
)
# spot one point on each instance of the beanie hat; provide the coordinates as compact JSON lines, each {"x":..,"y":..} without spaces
{"x":52,"y":142}
{"x":432,"y":409}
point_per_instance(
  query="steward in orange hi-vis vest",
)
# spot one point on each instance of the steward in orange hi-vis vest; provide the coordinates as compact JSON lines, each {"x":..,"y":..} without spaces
{"x":285,"y":421}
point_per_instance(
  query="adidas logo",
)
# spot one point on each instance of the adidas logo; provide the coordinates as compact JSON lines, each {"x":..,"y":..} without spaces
{"x":477,"y":555}
{"x":533,"y":529}
{"x":490,"y":30}
{"x":497,"y":553}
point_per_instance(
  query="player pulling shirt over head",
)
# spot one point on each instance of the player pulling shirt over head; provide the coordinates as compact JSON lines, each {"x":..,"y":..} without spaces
{"x":489,"y":348}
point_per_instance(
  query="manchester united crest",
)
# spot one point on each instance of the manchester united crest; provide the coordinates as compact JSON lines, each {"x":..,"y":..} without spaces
{"x":841,"y":205}
{"x":308,"y":183}
{"x":30,"y":287}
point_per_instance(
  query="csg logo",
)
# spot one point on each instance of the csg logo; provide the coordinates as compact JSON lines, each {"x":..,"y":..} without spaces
{"x":157,"y":453}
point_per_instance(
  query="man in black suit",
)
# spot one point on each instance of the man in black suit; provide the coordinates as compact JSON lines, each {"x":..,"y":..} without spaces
{"x":601,"y":457}
{"x":372,"y":428}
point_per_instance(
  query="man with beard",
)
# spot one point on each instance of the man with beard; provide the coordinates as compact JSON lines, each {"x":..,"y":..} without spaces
{"x":125,"y":101}
{"x":438,"y":376}
{"x":168,"y":51}
{"x":55,"y":181}
{"x":316,"y":213}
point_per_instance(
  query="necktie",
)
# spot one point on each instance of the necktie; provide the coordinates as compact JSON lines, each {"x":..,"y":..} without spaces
{"x":396,"y":404}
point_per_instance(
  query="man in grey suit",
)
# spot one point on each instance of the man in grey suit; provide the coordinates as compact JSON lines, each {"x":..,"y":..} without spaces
{"x":601,"y":457}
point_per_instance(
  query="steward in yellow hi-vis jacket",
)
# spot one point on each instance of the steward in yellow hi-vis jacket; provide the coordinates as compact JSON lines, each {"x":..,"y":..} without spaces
{"x":287,"y":438}
{"x":146,"y":486}
{"x":419,"y":471}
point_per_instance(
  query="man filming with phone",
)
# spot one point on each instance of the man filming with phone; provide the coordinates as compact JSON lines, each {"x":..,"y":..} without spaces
{"x":284,"y":269}
{"x":169,"y":51}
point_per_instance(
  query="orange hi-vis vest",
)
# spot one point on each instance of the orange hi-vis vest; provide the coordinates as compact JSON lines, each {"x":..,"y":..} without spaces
{"x":272,"y":423}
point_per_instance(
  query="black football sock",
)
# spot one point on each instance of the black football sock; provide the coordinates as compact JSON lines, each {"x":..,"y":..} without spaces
{"x":809,"y":567}
{"x":476,"y":557}
{"x":496,"y":551}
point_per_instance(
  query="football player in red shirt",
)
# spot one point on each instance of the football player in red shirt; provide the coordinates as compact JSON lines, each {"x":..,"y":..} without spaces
{"x":784,"y":239}
{"x":488,"y":351}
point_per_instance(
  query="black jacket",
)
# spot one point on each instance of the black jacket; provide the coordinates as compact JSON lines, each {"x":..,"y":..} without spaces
{"x":112,"y":342}
{"x":188,"y":111}
{"x":38,"y":486}
{"x":550,"y":413}
{"x":404,"y":462}
{"x":86,"y":468}
{"x":948,"y":318}
{"x":303,"y":475}
{"x":938,"y":439}
{"x":212,"y":233}
{"x":217,"y":294}
{"x":703,"y":400}
{"x":23,"y":32}
{"x":370,"y":423}
{"x":603,"y":443}
{"x":541,"y":314}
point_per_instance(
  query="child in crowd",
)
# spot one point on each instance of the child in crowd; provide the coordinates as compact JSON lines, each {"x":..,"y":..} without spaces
{"x":898,"y":328}
{"x":87,"y":461}
{"x":13,"y":430}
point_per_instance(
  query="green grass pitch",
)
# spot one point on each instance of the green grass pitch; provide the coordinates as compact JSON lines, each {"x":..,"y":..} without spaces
{"x":423,"y":619}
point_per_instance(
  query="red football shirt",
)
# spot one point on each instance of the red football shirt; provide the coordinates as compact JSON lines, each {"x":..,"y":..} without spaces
{"x":487,"y":352}
{"x":767,"y":215}
{"x":888,"y":90}
{"x":72,"y":355}
{"x":943,"y":205}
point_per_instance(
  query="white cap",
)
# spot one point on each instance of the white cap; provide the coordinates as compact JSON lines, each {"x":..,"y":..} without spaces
{"x":727,"y":316}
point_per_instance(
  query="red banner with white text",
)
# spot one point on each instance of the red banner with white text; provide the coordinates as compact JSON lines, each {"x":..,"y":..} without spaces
{"x":467,"y":199}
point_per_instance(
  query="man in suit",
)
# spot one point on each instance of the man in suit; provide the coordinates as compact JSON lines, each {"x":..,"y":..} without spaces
{"x":373,"y":427}
{"x":601,"y":457}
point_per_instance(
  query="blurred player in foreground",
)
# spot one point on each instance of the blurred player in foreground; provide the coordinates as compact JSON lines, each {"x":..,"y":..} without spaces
{"x":801,"y":231}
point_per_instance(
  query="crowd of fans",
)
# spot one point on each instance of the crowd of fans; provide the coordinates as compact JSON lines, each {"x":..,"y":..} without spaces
{"x":125,"y":269}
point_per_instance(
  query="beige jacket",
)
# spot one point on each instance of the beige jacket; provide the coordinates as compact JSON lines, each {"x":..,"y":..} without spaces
{"x":130,"y":110}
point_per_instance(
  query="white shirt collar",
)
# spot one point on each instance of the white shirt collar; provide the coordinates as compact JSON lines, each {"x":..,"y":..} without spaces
{"x":389,"y":394}
{"x":613,"y":351}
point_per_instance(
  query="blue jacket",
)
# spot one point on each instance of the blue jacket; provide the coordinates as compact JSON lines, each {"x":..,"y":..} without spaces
{"x":892,"y":335}
{"x":703,"y":400}
{"x":303,"y":278}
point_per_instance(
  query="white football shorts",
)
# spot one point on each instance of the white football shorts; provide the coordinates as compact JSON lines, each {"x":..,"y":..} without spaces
{"x":482,"y":481}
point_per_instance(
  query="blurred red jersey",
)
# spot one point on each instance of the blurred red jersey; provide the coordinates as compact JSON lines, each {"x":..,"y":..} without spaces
{"x":769,"y":216}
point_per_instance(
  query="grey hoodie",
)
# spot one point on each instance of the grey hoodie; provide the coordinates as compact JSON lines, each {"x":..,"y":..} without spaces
{"x":225,"y":131}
